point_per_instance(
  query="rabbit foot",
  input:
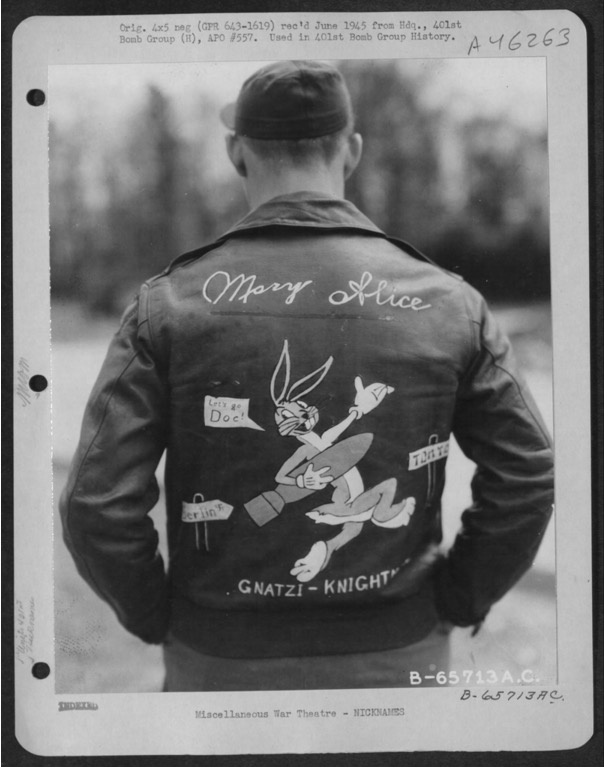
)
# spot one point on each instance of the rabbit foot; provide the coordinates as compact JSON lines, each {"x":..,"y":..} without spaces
{"x":402,"y":517}
{"x":306,"y":568}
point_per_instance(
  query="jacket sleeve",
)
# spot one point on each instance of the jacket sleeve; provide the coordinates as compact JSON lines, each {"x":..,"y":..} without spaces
{"x":111,"y":485}
{"x":498,"y":426}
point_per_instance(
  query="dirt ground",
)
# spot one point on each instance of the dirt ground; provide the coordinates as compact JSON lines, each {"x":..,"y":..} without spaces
{"x":94,"y":654}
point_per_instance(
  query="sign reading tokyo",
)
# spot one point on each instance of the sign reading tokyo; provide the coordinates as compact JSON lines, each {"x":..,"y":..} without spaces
{"x":428,"y":454}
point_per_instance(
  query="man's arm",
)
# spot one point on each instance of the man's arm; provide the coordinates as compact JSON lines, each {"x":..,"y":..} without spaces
{"x":497,"y":425}
{"x":112,"y":486}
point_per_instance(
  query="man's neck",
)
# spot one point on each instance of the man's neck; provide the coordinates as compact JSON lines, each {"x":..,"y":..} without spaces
{"x":262,"y":189}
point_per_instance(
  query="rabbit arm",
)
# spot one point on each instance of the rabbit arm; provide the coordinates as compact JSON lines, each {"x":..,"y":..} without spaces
{"x":333,"y":434}
{"x":367,"y":398}
{"x":303,"y":453}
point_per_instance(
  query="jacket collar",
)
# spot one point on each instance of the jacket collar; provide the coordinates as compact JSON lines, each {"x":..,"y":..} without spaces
{"x":309,"y":209}
{"x":302,"y":209}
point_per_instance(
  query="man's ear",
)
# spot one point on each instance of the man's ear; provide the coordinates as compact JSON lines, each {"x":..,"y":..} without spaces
{"x":354,"y":150}
{"x":235,"y":152}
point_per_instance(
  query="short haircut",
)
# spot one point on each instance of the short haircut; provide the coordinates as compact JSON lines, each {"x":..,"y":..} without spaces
{"x":298,"y":152}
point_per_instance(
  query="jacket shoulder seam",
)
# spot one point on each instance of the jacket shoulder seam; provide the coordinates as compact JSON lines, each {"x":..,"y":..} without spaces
{"x":473,"y":324}
{"x":414,"y":252}
{"x":187,"y":258}
{"x":520,"y":393}
{"x":144,"y":312}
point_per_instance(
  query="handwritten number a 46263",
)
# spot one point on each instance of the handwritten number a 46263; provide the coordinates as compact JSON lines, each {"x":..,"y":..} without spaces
{"x":533,"y":40}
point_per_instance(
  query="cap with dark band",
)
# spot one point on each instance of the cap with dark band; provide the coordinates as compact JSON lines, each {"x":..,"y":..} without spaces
{"x":290,"y":100}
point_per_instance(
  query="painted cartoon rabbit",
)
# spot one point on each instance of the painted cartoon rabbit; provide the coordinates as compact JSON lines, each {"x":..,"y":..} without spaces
{"x":351,"y":505}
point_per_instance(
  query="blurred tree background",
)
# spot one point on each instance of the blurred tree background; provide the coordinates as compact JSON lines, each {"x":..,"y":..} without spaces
{"x":132,"y":190}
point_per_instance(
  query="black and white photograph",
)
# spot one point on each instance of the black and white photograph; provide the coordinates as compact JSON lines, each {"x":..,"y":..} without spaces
{"x":302,"y":326}
{"x":453,"y":171}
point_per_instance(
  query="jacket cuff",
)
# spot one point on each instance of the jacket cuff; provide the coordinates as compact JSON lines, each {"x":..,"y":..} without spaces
{"x":449,"y":606}
{"x":152,"y":631}
{"x":151,"y":625}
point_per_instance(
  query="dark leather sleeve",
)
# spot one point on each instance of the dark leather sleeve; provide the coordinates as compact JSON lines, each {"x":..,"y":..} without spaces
{"x":497,"y":425}
{"x":112,"y":487}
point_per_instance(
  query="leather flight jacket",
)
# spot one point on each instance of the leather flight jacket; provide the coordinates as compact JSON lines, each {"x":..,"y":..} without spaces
{"x":305,"y":374}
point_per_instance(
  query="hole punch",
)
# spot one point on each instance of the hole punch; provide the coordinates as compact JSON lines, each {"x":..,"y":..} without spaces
{"x":35,"y":97}
{"x":40,"y":670}
{"x":38,"y":383}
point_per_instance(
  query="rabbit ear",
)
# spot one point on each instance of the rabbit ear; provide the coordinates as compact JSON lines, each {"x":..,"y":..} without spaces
{"x":278,"y":399}
{"x":312,"y":380}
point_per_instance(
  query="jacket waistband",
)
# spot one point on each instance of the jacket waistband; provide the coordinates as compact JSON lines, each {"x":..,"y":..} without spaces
{"x":319,"y":631}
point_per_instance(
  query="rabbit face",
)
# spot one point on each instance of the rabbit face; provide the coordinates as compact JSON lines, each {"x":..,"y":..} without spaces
{"x":296,"y":418}
{"x":292,"y":415}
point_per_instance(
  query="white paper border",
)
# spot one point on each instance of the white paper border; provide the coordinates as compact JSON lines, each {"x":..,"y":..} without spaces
{"x":152,"y":723}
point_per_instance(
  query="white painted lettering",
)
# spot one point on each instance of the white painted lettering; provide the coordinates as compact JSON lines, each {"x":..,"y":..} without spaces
{"x":220,"y":285}
{"x":428,"y":454}
{"x":360,"y":291}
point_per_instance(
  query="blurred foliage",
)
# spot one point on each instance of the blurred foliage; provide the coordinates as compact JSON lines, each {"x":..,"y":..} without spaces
{"x":470,"y":192}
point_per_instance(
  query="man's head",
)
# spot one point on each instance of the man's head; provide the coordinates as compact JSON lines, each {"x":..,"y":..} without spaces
{"x":292,"y":130}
